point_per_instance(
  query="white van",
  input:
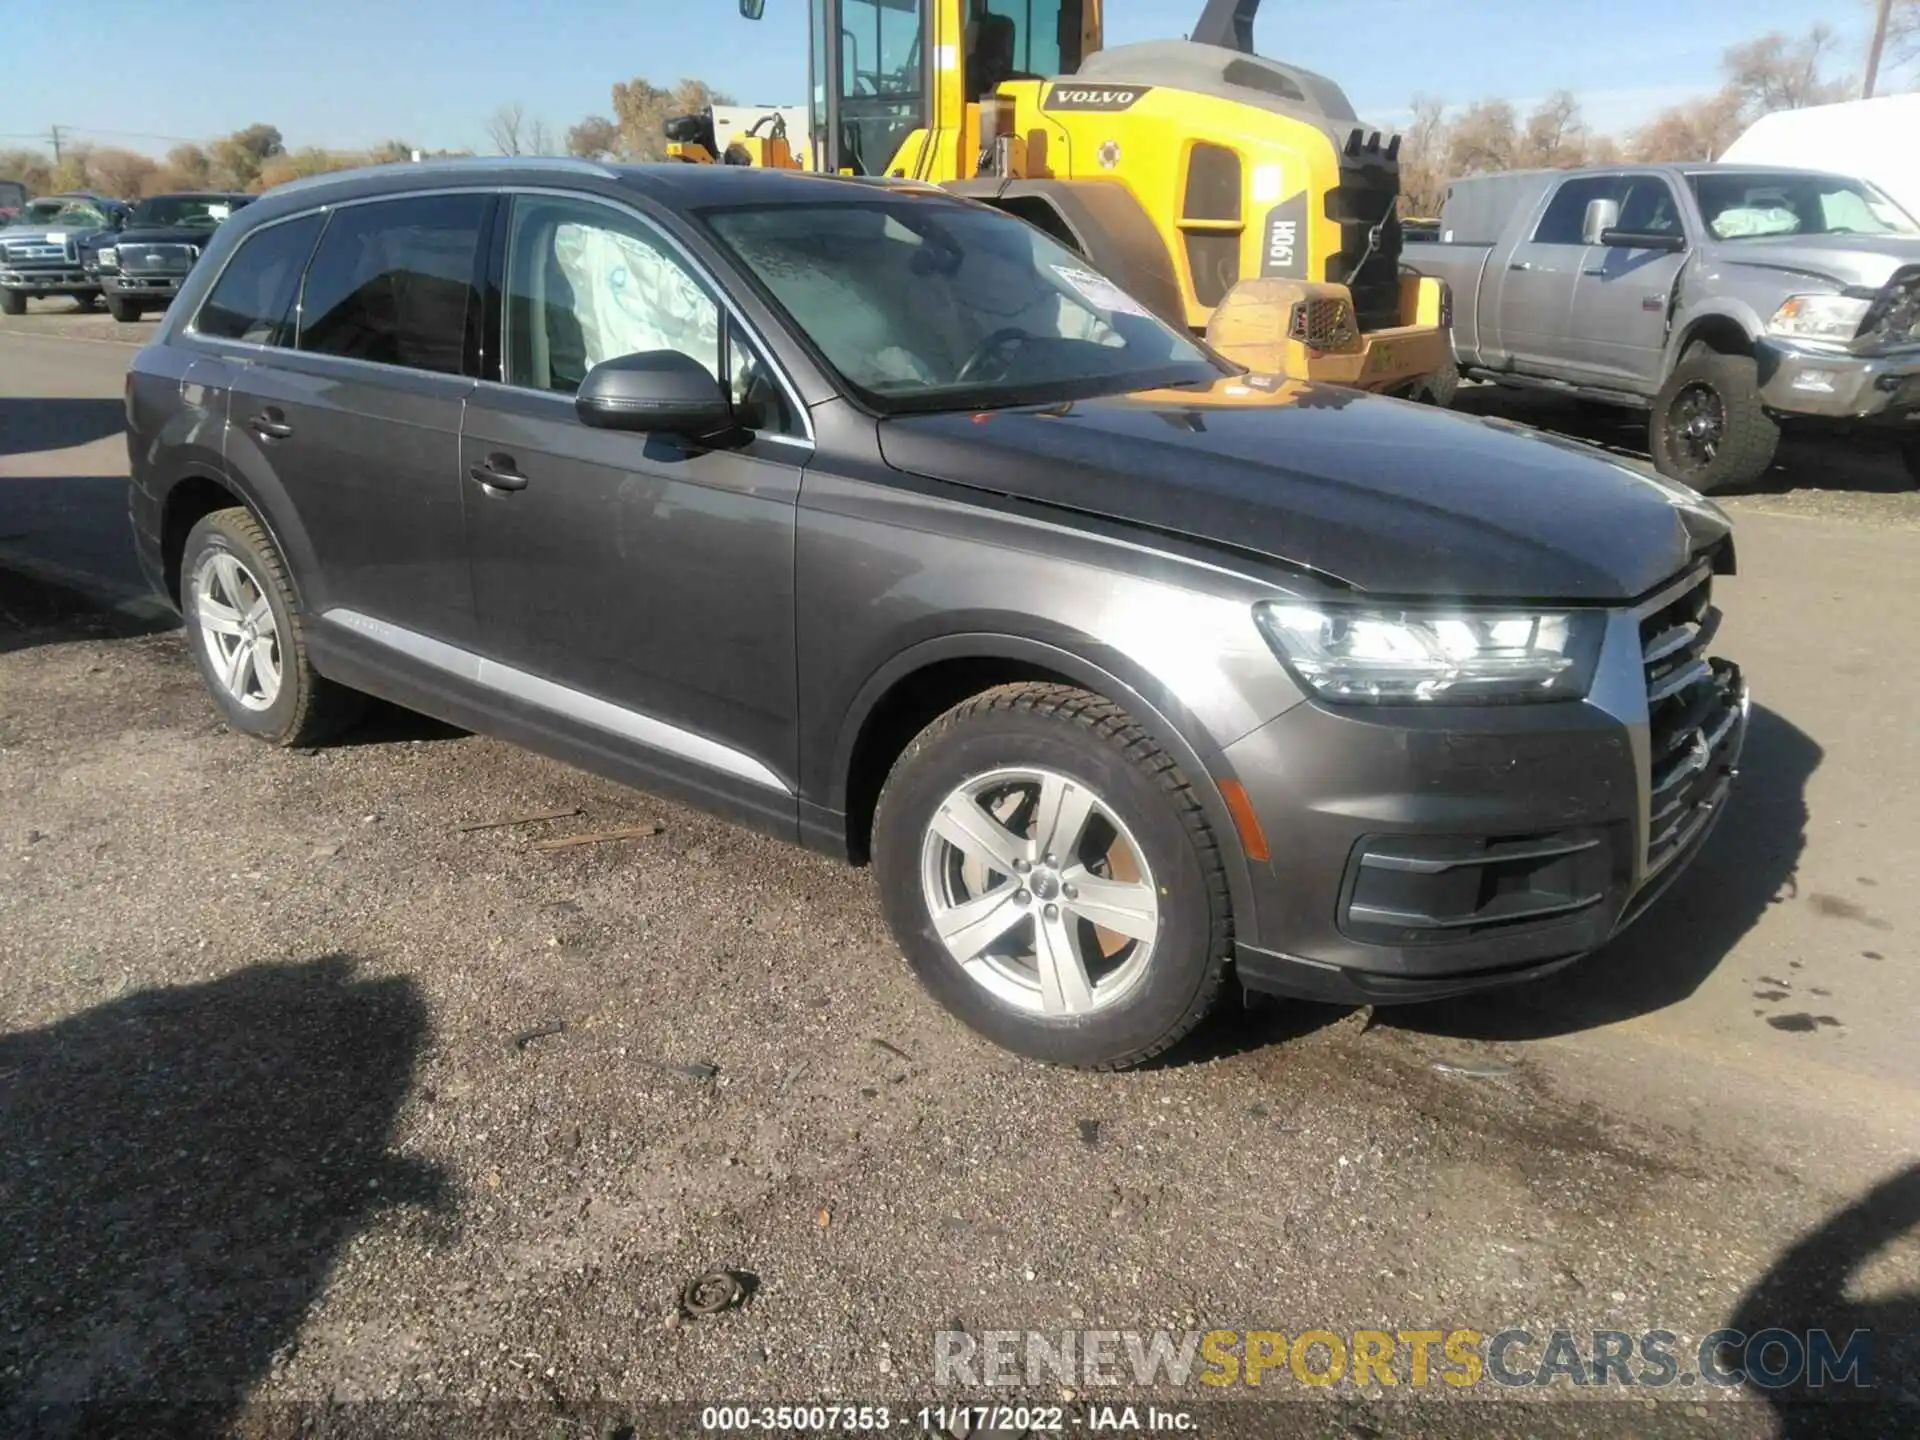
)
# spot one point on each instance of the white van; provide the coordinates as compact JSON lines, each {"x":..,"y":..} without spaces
{"x":1857,"y":137}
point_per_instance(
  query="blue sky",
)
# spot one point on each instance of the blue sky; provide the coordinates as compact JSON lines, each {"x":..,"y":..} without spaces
{"x":351,"y":72}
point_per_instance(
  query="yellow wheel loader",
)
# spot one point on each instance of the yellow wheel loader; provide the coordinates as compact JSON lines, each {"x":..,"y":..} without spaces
{"x":1228,"y":192}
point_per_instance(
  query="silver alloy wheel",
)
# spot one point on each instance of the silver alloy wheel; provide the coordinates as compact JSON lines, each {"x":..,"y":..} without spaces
{"x":1040,"y":892}
{"x":238,"y":629}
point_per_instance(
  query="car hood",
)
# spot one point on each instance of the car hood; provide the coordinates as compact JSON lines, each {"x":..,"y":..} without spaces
{"x":1381,"y":495}
{"x":160,"y":235}
{"x":36,"y":233}
{"x":1866,"y":260}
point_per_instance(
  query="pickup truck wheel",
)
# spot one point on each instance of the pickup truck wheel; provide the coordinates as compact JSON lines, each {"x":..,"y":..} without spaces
{"x":247,"y":638}
{"x":1708,"y":428}
{"x":122,"y":309}
{"x":12,"y":302}
{"x":1052,"y":879}
{"x":1910,"y":452}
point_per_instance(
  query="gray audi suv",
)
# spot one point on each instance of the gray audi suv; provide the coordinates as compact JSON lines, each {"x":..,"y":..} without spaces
{"x":879,"y":520}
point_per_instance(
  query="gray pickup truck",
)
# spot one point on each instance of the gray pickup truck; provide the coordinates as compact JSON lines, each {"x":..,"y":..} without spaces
{"x":1725,"y":300}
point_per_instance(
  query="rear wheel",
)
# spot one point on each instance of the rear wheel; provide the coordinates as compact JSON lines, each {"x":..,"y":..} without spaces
{"x":12,"y":302}
{"x":123,"y":309}
{"x":1708,"y":428}
{"x":247,"y":636}
{"x":1051,"y":878}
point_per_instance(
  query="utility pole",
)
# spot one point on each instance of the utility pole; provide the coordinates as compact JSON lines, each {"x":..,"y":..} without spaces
{"x":1880,"y":13}
{"x":55,"y":133}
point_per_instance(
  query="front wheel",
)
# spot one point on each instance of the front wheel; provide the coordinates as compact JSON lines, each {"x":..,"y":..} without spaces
{"x":1708,"y":429}
{"x":12,"y":302}
{"x":1050,"y":875}
{"x":1910,"y":452}
{"x":247,"y":638}
{"x":122,"y":309}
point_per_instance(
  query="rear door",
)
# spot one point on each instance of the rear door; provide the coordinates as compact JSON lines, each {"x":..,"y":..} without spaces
{"x":358,"y":425}
{"x":633,"y":589}
{"x":1536,"y":281}
{"x":1621,"y":302}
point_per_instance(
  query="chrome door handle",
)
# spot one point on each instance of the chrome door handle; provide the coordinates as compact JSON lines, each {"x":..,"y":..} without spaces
{"x":497,"y":473}
{"x":1518,"y":265}
{"x":268,"y":425}
{"x":1598,"y":271}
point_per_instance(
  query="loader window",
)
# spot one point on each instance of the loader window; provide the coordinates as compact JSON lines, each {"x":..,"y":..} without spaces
{"x":882,"y":81}
{"x":1020,"y":40}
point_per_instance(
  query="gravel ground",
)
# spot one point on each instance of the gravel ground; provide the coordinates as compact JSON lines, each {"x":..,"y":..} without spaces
{"x":315,"y":1099}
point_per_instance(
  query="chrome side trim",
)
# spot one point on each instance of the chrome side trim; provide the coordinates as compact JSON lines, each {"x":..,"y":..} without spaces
{"x":558,"y":699}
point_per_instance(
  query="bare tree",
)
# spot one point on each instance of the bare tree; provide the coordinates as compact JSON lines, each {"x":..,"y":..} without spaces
{"x":642,"y":108}
{"x":1697,"y":130}
{"x":1484,"y":137}
{"x":237,"y":159}
{"x":1554,"y":137}
{"x":507,"y":130}
{"x":1423,"y":157}
{"x":594,"y":138}
{"x":1903,"y":37}
{"x":121,"y":173}
{"x":1775,"y":73}
{"x":31,"y":168}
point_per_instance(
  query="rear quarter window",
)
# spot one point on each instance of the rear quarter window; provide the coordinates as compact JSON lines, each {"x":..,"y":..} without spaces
{"x":251,"y":299}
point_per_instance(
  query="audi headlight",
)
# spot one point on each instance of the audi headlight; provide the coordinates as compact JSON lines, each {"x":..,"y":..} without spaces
{"x":1833,"y":318}
{"x":1351,"y":655}
{"x":107,"y":258}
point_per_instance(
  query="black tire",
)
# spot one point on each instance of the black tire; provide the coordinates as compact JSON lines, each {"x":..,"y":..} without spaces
{"x":124,"y":310}
{"x":308,"y":707}
{"x":12,"y":302}
{"x":1088,"y":739}
{"x":1910,"y":452}
{"x":1441,"y":386}
{"x":1720,"y":393}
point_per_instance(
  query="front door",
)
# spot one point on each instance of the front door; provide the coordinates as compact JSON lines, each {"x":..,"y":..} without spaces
{"x":1621,"y":302}
{"x":357,"y":424}
{"x":1535,"y":288}
{"x":633,"y":590}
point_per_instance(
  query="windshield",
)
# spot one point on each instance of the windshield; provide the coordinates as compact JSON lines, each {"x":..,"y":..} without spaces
{"x":937,"y":306}
{"x":182,"y":211}
{"x":77,"y":213}
{"x":1752,"y":205}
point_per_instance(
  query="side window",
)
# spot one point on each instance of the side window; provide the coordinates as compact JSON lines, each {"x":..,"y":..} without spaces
{"x":1567,"y":211}
{"x":393,"y":282}
{"x":251,"y":299}
{"x":585,"y":284}
{"x":1649,"y":207}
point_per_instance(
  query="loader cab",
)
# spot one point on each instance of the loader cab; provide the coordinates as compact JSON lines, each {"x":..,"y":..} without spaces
{"x":902,"y":66}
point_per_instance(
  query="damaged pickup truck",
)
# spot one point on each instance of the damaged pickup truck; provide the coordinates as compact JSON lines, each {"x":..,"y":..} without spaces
{"x":1727,"y":301}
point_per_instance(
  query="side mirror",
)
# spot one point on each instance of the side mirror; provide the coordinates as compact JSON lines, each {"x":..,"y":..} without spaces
{"x":752,"y":9}
{"x":1643,"y":239}
{"x":655,"y":390}
{"x":1601,"y":216}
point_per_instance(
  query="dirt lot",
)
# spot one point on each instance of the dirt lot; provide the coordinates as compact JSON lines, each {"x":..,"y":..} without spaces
{"x":312,"y":1095}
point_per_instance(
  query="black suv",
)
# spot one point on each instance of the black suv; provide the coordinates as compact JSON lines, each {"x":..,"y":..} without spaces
{"x":877,"y":519}
{"x":141,"y":268}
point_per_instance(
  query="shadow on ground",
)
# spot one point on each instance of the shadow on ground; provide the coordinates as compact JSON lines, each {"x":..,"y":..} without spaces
{"x":1747,"y":862}
{"x":29,"y":423}
{"x":34,"y":612}
{"x":1813,"y":1286}
{"x":181,"y":1169}
{"x":1811,"y":460}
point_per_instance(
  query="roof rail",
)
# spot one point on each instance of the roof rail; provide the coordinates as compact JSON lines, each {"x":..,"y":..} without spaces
{"x":564,"y":164}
